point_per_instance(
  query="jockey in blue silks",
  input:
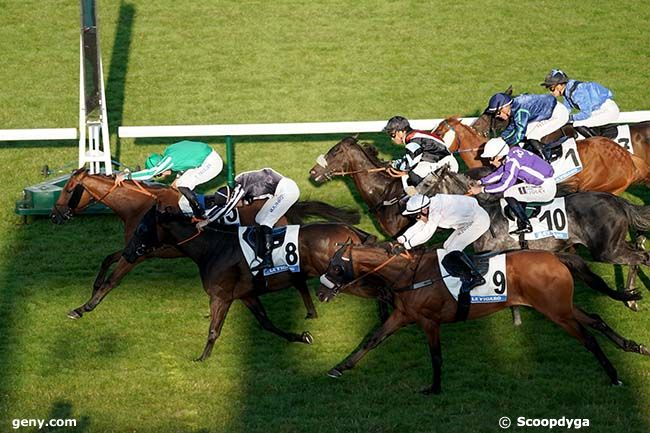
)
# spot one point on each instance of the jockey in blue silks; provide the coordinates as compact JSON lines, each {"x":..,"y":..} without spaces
{"x":594,"y":103}
{"x":530,"y":117}
{"x":520,"y":176}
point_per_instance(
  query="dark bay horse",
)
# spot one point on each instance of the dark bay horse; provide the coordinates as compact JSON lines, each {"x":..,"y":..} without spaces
{"x":133,"y":200}
{"x":378,"y":188}
{"x":226,"y":277}
{"x":537,"y":279}
{"x":606,"y":166}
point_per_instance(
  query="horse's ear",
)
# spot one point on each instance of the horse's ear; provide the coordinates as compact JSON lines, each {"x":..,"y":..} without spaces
{"x":509,"y":90}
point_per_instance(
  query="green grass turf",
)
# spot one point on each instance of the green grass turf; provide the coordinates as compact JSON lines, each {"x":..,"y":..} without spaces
{"x":128,"y":365}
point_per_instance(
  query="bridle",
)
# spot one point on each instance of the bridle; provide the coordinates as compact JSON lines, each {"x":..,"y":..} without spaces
{"x":457,"y":139}
{"x":329,"y":173}
{"x":347,"y":269}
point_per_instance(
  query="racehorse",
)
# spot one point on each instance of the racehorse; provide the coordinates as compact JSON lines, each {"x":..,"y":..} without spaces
{"x":378,"y":188}
{"x":538,"y":279}
{"x":606,"y":165}
{"x":132,"y":200}
{"x":225,"y":274}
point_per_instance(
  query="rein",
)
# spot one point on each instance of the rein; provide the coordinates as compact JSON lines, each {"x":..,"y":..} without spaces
{"x":139,"y":188}
{"x":405,"y":254}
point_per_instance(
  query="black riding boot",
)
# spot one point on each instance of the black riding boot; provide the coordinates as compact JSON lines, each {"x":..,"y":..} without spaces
{"x":540,"y":148}
{"x":585,"y":131}
{"x":523,"y":224}
{"x":472,"y":277}
{"x":194,"y":203}
{"x":264,"y":244}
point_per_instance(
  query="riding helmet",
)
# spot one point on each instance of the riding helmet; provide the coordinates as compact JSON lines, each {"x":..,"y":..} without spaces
{"x":497,"y":102}
{"x":416,"y":203}
{"x":495,"y":147}
{"x":555,"y":77}
{"x":396,"y":123}
{"x":153,"y":160}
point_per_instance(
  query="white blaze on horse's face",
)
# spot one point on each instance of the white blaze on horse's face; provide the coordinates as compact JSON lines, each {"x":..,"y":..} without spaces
{"x":449,"y":137}
{"x":321,"y":161}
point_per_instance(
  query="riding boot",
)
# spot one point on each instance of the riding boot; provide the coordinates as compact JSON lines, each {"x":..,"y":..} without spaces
{"x":472,"y":277}
{"x":194,"y":202}
{"x":585,"y":131}
{"x":523,"y":223}
{"x":540,"y":148}
{"x":264,"y":247}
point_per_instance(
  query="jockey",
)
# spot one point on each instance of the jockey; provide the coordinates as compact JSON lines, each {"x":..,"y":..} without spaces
{"x":281,"y":192}
{"x":516,"y":164}
{"x":594,"y":103}
{"x":434,"y":150}
{"x":419,"y":169}
{"x":196,"y":164}
{"x":458,"y":212}
{"x":530,"y":116}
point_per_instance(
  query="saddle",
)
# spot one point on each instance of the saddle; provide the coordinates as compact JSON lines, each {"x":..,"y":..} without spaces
{"x":532,"y":209}
{"x":481,"y":261}
{"x":250,"y":236}
{"x":607,"y":131}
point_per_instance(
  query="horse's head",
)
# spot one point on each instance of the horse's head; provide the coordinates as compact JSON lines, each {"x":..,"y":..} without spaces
{"x":72,"y":198}
{"x":463,"y":139}
{"x":343,"y":157}
{"x":339,"y":272}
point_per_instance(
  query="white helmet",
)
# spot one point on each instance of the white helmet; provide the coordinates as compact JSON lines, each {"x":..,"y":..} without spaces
{"x":495,"y":147}
{"x":416,"y":203}
{"x":413,"y":154}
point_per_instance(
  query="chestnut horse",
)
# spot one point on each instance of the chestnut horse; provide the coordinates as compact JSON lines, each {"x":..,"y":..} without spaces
{"x":537,"y":279}
{"x":225,"y":274}
{"x":133,"y":199}
{"x":606,"y":165}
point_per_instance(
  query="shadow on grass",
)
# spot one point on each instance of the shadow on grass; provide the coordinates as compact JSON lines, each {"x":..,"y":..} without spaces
{"x":62,"y":410}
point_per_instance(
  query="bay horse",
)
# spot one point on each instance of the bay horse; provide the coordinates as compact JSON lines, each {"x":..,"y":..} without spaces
{"x":606,"y":166}
{"x":537,"y":279}
{"x":378,"y":188}
{"x":132,"y":201}
{"x":226,"y":276}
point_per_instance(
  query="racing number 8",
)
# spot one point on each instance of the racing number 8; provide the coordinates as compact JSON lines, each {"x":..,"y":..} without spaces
{"x":291,"y":256}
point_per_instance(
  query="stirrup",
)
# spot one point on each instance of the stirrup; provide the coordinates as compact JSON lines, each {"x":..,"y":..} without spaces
{"x":528,"y":228}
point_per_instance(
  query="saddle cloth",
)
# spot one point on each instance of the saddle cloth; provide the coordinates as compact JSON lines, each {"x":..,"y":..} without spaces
{"x":569,"y":163}
{"x":548,"y":219}
{"x":619,"y":133}
{"x":285,"y":255}
{"x":495,"y":288}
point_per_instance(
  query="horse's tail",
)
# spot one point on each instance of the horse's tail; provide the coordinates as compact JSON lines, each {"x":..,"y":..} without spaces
{"x":579,"y":268}
{"x":303,"y":209}
{"x":637,"y":216}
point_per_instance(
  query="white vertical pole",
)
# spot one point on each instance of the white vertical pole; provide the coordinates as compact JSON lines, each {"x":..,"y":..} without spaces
{"x":82,"y":106}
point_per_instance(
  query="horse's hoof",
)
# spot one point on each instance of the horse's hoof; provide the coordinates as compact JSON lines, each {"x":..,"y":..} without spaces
{"x":617,"y":383}
{"x":74,"y":314}
{"x":199,"y":359}
{"x":429,"y":391}
{"x":643,"y":350}
{"x":335,"y":373}
{"x":307,"y":338}
{"x":310,"y":316}
{"x":632,"y":305}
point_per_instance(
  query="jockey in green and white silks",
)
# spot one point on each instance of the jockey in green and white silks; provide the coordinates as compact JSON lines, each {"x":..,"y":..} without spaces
{"x":195,"y":162}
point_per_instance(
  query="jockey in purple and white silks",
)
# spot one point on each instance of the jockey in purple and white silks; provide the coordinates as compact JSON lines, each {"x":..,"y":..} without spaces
{"x":266,"y":183}
{"x":521,"y":176}
{"x":594,"y":103}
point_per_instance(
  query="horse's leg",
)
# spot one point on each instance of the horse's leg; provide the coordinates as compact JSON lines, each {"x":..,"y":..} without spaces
{"x":255,"y":306}
{"x":122,"y":268}
{"x":516,"y":316}
{"x":106,"y":263}
{"x":395,"y":321}
{"x":432,"y":329}
{"x":596,"y":322}
{"x":565,"y":317}
{"x":382,"y":310}
{"x":218,"y":310}
{"x":300,"y":283}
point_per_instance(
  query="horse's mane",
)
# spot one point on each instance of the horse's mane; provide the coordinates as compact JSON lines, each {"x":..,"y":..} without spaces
{"x":371,"y":152}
